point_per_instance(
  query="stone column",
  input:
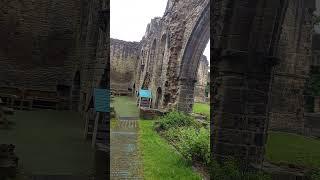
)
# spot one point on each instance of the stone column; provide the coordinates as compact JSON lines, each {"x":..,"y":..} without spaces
{"x":240,"y":96}
{"x":186,"y":95}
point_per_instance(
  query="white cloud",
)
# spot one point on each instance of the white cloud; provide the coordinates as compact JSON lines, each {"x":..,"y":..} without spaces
{"x":129,"y":18}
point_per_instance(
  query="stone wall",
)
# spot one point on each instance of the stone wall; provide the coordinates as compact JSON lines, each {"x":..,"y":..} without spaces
{"x":163,"y":48}
{"x":202,"y":80}
{"x":287,"y":101}
{"x":124,"y":57}
{"x":312,"y":124}
{"x":38,"y":46}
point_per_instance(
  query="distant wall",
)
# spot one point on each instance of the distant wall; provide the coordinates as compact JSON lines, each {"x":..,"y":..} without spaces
{"x":202,"y":80}
{"x":124,"y":58}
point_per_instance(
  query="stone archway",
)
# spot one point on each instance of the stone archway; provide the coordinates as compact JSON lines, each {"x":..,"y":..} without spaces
{"x":244,"y":42}
{"x":75,"y":93}
{"x":192,"y":54}
{"x":244,"y":46}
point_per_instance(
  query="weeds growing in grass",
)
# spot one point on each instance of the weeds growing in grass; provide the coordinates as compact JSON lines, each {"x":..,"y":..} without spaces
{"x":175,"y":120}
{"x":230,"y":170}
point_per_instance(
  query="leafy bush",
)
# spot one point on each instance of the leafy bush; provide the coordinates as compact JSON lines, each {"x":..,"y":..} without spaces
{"x":194,"y":144}
{"x":316,"y":175}
{"x":230,"y":170}
{"x":174,"y":120}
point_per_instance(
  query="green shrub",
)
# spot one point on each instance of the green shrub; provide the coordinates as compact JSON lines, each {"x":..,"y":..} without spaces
{"x":194,"y":144}
{"x":172,"y":135}
{"x":315,"y":175}
{"x":174,"y":120}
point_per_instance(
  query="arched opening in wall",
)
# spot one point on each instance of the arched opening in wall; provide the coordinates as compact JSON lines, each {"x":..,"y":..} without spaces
{"x":134,"y":89}
{"x":75,"y":98}
{"x":152,"y":56}
{"x":158,"y":98}
{"x":163,"y":46}
{"x":192,"y":54}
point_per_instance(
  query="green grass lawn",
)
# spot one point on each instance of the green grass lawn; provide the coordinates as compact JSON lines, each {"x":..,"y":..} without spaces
{"x":160,"y":160}
{"x":294,"y":149}
{"x":125,"y":106}
{"x":201,"y":108}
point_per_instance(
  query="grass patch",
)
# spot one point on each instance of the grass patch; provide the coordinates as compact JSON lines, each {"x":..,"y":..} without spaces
{"x":114,"y":123}
{"x":160,"y":159}
{"x":201,"y":108}
{"x":293,"y":149}
{"x":125,"y":106}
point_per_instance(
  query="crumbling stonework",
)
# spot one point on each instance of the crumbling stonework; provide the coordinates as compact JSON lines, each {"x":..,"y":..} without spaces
{"x":37,"y":48}
{"x":124,"y":58}
{"x":163,"y":52}
{"x":202,"y":80}
{"x":245,"y":50}
{"x":295,"y":52}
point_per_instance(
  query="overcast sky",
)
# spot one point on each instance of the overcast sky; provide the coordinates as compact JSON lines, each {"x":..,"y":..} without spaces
{"x":129,"y":18}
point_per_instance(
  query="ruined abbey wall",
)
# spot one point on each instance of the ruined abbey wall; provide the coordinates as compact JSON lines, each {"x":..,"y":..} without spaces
{"x":38,"y":46}
{"x":124,"y":57}
{"x":94,"y":50}
{"x":202,"y":80}
{"x":295,"y":53}
{"x":162,"y":50}
{"x":59,"y":46}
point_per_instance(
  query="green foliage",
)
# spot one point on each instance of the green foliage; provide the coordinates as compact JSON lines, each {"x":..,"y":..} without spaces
{"x":207,"y":90}
{"x":315,"y":175}
{"x":317,"y":20}
{"x":194,"y":144}
{"x":174,"y":119}
{"x":160,"y":160}
{"x":297,"y":149}
{"x":230,"y":170}
{"x":312,"y":89}
{"x":313,"y":83}
{"x":203,"y":109}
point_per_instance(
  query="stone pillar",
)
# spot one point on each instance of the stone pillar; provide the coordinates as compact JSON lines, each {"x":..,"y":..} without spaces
{"x":186,"y":95}
{"x":317,"y":104}
{"x":240,"y":97}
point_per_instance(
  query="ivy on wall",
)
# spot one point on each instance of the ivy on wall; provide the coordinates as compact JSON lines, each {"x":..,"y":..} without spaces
{"x":312,"y":88}
{"x":207,"y":90}
{"x":317,"y":20}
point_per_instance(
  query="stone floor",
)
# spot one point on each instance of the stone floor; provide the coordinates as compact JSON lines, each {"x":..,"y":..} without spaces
{"x":125,"y":159}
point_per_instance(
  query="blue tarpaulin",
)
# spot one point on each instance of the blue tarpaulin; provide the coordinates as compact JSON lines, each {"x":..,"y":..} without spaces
{"x":102,"y":100}
{"x":145,"y":93}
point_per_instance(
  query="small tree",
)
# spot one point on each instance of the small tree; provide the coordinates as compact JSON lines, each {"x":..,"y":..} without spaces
{"x":317,"y":19}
